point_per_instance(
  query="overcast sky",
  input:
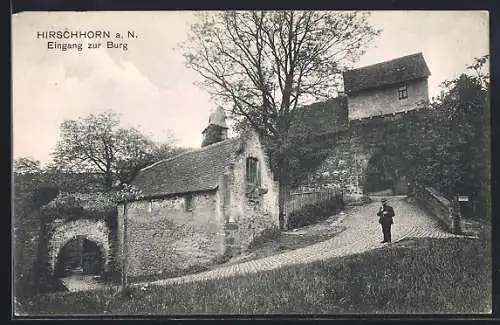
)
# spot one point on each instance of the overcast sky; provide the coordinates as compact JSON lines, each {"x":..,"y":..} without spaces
{"x":149,"y":85}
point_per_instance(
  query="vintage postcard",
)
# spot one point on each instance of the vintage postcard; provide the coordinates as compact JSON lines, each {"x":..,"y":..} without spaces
{"x":251,"y":163}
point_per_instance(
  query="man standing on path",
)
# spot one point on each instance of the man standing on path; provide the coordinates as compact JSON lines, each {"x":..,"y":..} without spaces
{"x":386,"y":213}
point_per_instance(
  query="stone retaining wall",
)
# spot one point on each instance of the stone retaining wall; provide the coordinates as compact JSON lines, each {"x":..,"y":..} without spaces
{"x":437,"y":204}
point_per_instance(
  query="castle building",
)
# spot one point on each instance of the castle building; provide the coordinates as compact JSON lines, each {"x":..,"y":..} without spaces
{"x":198,"y":206}
{"x":392,"y":86}
{"x":357,"y":127}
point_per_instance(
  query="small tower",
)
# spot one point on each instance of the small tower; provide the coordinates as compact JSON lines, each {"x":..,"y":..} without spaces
{"x":216,"y":130}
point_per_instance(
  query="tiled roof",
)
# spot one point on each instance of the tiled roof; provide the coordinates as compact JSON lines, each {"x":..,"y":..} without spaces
{"x":329,"y":116}
{"x":386,"y":73}
{"x":197,"y":170}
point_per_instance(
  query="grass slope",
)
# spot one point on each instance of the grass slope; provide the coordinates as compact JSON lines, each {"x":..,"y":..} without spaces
{"x":415,"y":276}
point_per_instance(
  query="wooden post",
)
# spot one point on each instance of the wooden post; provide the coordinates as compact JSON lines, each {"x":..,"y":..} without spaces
{"x":456,"y":215}
{"x":80,"y":249}
{"x":124,"y":246}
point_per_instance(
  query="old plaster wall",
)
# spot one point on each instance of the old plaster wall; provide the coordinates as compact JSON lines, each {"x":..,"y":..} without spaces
{"x":380,"y":101}
{"x":249,"y":216}
{"x":163,"y":236}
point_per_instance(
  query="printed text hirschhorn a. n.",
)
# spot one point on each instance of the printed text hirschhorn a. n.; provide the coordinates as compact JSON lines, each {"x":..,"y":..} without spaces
{"x":66,"y":34}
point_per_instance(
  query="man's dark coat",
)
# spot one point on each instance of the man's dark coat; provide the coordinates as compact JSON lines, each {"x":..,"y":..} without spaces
{"x":387,"y":217}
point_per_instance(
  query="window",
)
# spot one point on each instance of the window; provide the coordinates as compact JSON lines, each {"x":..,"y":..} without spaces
{"x":188,"y":200}
{"x":403,"y":91}
{"x":253,"y":173}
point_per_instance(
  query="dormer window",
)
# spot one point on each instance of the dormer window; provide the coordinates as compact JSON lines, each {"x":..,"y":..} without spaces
{"x":403,"y":91}
{"x":253,"y":172}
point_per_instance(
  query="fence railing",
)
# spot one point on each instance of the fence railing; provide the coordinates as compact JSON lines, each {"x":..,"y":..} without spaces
{"x":298,"y":200}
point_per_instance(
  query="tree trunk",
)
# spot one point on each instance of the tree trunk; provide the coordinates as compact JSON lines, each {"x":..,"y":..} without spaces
{"x":108,"y":181}
{"x":284,"y":193}
{"x":125,"y":246}
{"x":283,"y":198}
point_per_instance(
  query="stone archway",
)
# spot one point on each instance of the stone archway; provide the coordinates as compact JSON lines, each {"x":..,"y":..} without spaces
{"x":64,"y":235}
{"x":82,"y":254}
{"x":383,"y":174}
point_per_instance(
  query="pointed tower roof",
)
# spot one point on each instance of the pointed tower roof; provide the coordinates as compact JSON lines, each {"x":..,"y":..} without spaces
{"x":218,"y":117}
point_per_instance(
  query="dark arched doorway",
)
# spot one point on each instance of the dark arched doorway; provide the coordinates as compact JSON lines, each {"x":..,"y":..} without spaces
{"x":80,"y":255}
{"x":383,"y":175}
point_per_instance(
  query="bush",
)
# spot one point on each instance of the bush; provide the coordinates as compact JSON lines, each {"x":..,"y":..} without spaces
{"x":50,"y":284}
{"x":313,"y":213}
{"x":113,"y":276}
{"x":267,"y":235}
{"x":228,"y":254}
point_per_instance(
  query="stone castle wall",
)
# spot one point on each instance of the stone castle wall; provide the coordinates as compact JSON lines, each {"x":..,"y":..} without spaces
{"x":349,"y":158}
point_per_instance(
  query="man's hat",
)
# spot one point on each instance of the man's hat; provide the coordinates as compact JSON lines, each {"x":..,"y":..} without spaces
{"x":383,"y":200}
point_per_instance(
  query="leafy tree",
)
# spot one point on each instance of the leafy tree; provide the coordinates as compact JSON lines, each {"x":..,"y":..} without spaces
{"x":468,"y":101}
{"x":26,"y":166}
{"x":97,"y":143}
{"x":453,"y":155}
{"x":263,"y":65}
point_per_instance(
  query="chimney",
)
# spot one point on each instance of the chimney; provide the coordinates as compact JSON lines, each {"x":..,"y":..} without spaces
{"x":216,"y":130}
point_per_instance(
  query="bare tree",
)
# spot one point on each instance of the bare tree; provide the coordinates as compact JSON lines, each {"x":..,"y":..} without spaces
{"x":263,"y":65}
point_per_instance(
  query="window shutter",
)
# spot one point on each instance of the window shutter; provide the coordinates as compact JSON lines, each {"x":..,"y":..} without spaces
{"x":249,"y":179}
{"x":253,"y":171}
{"x":257,"y":172}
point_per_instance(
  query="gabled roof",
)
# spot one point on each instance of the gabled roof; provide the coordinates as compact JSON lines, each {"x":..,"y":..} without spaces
{"x":319,"y":118}
{"x":193,"y":171}
{"x":386,"y":73}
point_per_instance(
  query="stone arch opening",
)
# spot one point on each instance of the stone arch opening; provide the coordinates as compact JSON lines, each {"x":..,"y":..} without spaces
{"x":80,"y":255}
{"x":383,"y":175}
{"x":92,"y":235}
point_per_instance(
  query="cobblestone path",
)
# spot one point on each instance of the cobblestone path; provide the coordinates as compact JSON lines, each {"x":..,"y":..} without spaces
{"x":363,"y":233}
